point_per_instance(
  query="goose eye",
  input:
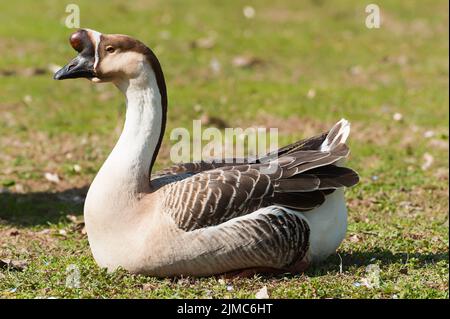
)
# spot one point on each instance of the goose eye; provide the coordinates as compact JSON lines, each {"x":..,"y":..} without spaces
{"x":110,"y":49}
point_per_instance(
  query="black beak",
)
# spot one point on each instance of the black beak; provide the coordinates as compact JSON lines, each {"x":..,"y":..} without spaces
{"x":80,"y":67}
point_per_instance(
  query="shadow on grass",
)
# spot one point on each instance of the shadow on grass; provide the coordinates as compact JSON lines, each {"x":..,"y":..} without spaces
{"x":374,"y":256}
{"x":43,"y":208}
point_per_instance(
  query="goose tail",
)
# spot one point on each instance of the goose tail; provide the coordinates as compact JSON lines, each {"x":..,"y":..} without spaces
{"x":337,"y":135}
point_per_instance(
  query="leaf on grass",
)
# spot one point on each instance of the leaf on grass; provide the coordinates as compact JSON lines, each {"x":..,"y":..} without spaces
{"x":262,"y":293}
{"x":77,"y":223}
{"x":311,"y":94}
{"x":14,"y":232}
{"x":204,"y":43}
{"x":244,"y":61}
{"x":215,"y":66}
{"x":428,"y":161}
{"x":62,"y":232}
{"x":355,"y":238}
{"x":148,"y":287}
{"x":249,"y":12}
{"x":52,"y":177}
{"x":76,"y":168}
{"x":213,"y":121}
{"x":397,"y":117}
{"x":16,"y":265}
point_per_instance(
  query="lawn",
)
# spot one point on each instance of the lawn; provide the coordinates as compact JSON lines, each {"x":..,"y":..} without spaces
{"x":305,"y":65}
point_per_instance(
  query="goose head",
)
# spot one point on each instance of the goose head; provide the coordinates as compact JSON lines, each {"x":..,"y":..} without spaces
{"x":108,"y":58}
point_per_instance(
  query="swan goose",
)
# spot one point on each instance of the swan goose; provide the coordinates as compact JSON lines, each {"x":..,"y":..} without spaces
{"x":203,"y":218}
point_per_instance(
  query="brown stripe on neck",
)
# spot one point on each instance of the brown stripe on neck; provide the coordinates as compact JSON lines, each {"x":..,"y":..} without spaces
{"x":126,"y":43}
{"x":156,"y":66}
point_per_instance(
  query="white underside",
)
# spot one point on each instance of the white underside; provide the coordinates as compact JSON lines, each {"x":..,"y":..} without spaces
{"x":328,"y":226}
{"x":327,"y":223}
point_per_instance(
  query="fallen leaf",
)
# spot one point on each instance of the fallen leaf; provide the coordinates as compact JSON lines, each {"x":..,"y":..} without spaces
{"x":249,"y":12}
{"x":355,"y":239}
{"x":213,"y":121}
{"x":183,"y":281}
{"x":245,"y":61}
{"x":72,"y":218}
{"x":262,"y":293}
{"x":204,"y":43}
{"x":428,"y":134}
{"x":311,"y":94}
{"x":428,"y":161}
{"x":52,"y":177}
{"x":438,"y":144}
{"x":215,"y":66}
{"x":148,"y":287}
{"x":14,"y":232}
{"x":397,"y":117}
{"x":16,"y":265}
{"x":27,"y":99}
{"x":356,"y":70}
{"x":198,"y":108}
{"x":19,"y":188}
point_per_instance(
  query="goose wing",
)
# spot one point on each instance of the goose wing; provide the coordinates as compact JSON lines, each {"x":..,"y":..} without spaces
{"x":312,"y":143}
{"x":299,"y":180}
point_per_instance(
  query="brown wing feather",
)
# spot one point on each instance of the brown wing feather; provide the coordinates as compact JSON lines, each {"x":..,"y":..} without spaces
{"x":215,"y":196}
{"x":309,"y":144}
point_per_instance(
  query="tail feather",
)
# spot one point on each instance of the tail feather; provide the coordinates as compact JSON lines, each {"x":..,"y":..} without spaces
{"x":311,"y":169}
{"x":337,"y":135}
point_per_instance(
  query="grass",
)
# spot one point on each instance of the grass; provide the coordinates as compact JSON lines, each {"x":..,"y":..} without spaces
{"x":398,"y":214}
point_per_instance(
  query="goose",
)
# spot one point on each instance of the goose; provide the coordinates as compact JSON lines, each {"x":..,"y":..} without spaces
{"x":203,"y":218}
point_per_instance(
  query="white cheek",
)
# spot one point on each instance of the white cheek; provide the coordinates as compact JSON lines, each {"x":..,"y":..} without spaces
{"x":128,"y":63}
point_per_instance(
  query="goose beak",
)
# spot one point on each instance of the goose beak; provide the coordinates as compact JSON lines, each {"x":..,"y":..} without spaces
{"x":80,"y":67}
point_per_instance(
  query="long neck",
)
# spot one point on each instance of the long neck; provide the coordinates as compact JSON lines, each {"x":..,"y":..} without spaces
{"x":125,"y":174}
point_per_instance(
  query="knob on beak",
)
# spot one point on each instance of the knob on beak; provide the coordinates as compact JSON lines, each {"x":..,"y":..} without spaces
{"x":83,"y":65}
{"x":76,"y":40}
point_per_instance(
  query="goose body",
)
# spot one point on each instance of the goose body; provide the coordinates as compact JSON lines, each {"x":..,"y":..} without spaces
{"x":203,"y":218}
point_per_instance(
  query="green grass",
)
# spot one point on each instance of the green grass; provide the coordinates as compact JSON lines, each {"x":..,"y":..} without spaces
{"x":398,"y":216}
